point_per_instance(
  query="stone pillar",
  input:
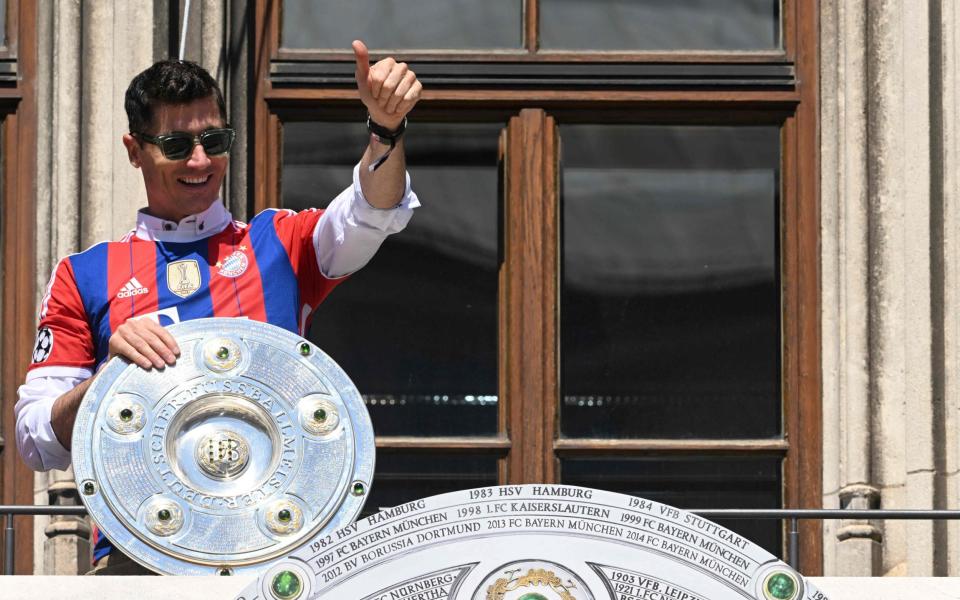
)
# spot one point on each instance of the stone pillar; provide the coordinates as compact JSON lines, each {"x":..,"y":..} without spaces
{"x":217,"y":40}
{"x":117,"y":44}
{"x":67,"y":549}
{"x":900,"y":276}
{"x":212,"y":27}
{"x":886,"y":232}
{"x":86,"y":189}
{"x":238,"y":89}
{"x":945,"y":206}
{"x":58,"y":127}
{"x":846,"y":373}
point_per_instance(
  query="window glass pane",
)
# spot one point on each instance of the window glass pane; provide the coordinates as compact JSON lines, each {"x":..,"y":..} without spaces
{"x":416,"y":329}
{"x":466,"y":24}
{"x":692,"y":482}
{"x":402,"y":477}
{"x":670,"y":304}
{"x":660,"y":24}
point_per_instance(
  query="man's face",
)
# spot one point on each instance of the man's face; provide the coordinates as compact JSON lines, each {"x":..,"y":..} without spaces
{"x":178,"y":188}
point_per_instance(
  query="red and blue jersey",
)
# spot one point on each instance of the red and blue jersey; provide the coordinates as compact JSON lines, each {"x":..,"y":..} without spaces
{"x":265,"y":270}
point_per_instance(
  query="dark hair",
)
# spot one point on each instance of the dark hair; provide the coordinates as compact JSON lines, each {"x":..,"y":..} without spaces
{"x":168,"y":82}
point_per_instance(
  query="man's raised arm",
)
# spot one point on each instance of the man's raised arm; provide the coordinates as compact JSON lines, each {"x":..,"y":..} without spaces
{"x":389,"y":90}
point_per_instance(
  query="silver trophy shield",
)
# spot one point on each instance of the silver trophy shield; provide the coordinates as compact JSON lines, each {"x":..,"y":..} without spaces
{"x":254,"y":443}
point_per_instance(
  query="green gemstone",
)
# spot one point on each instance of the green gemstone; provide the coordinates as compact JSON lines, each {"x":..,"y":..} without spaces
{"x":781,"y":586}
{"x":286,"y":585}
{"x":284,"y":515}
{"x":88,"y":488}
{"x":532,"y":596}
{"x":126,"y":414}
{"x":163,"y":514}
{"x":305,"y":349}
{"x":358,"y":489}
{"x":224,"y":572}
{"x":320,"y":415}
{"x":223,"y":353}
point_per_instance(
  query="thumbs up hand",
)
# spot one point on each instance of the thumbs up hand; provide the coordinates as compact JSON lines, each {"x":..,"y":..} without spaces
{"x":388,"y":89}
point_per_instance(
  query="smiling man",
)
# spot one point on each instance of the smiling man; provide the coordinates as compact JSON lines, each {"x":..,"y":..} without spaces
{"x":187,"y":258}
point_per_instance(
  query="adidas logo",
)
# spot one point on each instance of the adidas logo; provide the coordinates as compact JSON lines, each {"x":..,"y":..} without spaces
{"x":132,"y":288}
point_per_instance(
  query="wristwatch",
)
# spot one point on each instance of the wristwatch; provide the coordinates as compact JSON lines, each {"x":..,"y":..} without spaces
{"x":384,"y":135}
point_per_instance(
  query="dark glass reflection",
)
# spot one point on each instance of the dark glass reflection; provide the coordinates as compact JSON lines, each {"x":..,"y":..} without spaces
{"x":416,"y":329}
{"x":466,"y":24}
{"x":670,"y":304}
{"x":405,"y":476}
{"x":690,"y":483}
{"x":660,"y":24}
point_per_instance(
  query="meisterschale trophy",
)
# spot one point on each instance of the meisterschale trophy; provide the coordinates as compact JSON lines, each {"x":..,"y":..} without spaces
{"x":252,"y":444}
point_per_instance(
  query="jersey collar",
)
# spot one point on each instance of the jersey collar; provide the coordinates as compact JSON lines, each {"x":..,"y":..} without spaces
{"x":190,"y":229}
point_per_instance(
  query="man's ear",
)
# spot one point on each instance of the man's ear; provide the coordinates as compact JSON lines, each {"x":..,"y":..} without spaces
{"x":133,"y":149}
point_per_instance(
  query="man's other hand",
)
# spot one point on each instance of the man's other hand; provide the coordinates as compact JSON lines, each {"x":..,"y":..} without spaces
{"x":144,"y":342}
{"x":389,"y":89}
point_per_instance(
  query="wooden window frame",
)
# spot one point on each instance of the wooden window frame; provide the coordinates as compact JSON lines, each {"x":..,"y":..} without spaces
{"x":18,"y":72}
{"x":716,"y":88}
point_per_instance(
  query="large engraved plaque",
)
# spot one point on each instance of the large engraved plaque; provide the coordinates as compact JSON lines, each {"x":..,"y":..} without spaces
{"x":253,"y":444}
{"x":531,"y":542}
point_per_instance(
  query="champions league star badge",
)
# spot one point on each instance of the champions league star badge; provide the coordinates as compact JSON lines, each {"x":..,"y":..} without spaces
{"x":44,"y":345}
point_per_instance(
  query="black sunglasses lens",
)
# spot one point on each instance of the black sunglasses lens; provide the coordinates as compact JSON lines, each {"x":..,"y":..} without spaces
{"x":216,"y":142}
{"x":177,"y":147}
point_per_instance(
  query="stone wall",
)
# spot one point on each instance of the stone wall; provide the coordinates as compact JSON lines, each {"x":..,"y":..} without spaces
{"x":889,"y":283}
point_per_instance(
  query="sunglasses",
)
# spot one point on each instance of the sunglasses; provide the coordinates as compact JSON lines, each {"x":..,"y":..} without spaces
{"x":179,"y":145}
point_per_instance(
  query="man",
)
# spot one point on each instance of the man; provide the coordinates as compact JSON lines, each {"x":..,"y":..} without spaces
{"x":187,"y":258}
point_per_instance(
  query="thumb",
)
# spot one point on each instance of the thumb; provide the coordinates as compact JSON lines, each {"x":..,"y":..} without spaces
{"x":362,"y":57}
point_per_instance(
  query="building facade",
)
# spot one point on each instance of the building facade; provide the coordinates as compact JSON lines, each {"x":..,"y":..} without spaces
{"x":697,"y":251}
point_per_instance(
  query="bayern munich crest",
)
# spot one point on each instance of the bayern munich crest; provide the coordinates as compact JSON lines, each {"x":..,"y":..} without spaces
{"x":252,"y":444}
{"x":234,"y":265}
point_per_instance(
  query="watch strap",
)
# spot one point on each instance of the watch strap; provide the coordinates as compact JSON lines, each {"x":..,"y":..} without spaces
{"x":384,"y":136}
